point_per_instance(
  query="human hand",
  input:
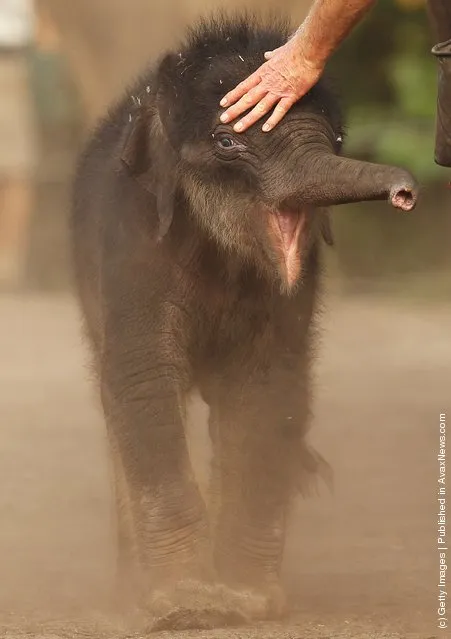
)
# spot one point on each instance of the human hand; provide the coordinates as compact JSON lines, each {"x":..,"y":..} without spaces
{"x":280,"y":82}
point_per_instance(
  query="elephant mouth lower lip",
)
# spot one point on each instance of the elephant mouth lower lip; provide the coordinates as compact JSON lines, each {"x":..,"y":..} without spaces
{"x":287,"y":227}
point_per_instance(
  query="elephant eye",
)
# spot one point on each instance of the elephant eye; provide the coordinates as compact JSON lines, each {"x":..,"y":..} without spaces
{"x":226,"y":142}
{"x":227,"y":146}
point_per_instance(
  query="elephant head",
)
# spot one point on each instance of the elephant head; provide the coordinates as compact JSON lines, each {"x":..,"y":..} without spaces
{"x":258,"y":195}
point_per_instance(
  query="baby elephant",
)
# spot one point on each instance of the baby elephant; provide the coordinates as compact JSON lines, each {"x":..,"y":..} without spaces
{"x":197,"y":253}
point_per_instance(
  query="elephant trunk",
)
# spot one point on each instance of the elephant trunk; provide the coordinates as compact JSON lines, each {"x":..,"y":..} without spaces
{"x":328,"y":179}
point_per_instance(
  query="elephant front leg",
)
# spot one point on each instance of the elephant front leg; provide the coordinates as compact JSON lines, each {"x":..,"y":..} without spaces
{"x":162,"y":526}
{"x":126,"y":578}
{"x":259,"y":450}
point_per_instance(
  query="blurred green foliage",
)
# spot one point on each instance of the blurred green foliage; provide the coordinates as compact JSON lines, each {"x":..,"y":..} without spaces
{"x":388,"y":78}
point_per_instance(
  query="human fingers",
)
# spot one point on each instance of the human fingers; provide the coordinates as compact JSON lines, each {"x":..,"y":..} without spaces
{"x":279,"y":112}
{"x":246,"y":102}
{"x":262,"y":107}
{"x":241,"y":89}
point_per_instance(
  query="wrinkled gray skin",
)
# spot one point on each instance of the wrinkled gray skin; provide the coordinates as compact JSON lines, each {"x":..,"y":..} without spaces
{"x":194,"y":270}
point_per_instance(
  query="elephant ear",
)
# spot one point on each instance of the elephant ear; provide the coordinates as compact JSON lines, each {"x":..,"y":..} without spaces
{"x":152,"y":161}
{"x":326,"y":229}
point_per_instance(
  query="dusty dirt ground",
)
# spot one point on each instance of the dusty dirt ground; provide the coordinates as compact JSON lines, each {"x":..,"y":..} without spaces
{"x":359,"y":563}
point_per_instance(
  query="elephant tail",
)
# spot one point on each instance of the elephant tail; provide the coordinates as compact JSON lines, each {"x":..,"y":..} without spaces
{"x":312,"y":468}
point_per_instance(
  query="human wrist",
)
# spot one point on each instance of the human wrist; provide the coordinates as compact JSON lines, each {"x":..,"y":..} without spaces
{"x":308,"y":53}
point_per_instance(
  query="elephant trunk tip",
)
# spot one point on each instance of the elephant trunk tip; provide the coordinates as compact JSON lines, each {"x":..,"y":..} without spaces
{"x":404,"y":196}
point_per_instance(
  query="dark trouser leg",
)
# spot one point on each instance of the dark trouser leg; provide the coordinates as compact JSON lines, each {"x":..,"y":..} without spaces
{"x":440,"y":19}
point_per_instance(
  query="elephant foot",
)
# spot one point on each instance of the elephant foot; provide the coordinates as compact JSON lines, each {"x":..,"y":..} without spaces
{"x":192,"y":605}
{"x":271,"y":598}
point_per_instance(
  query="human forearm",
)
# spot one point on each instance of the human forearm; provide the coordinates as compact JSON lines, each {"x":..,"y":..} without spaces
{"x":327,"y":25}
{"x":293,"y":69}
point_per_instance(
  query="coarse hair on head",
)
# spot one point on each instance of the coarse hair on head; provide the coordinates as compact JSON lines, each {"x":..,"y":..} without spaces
{"x":218,"y":52}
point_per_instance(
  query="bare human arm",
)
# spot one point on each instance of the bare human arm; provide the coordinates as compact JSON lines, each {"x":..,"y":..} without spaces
{"x":291,"y":70}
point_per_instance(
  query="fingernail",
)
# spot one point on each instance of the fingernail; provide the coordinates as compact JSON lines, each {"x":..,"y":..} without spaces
{"x":223,"y":102}
{"x":238,"y":127}
{"x":224,"y":117}
{"x":266,"y":127}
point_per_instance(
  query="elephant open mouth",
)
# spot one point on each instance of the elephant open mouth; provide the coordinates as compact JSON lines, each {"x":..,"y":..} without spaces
{"x":287,"y":227}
